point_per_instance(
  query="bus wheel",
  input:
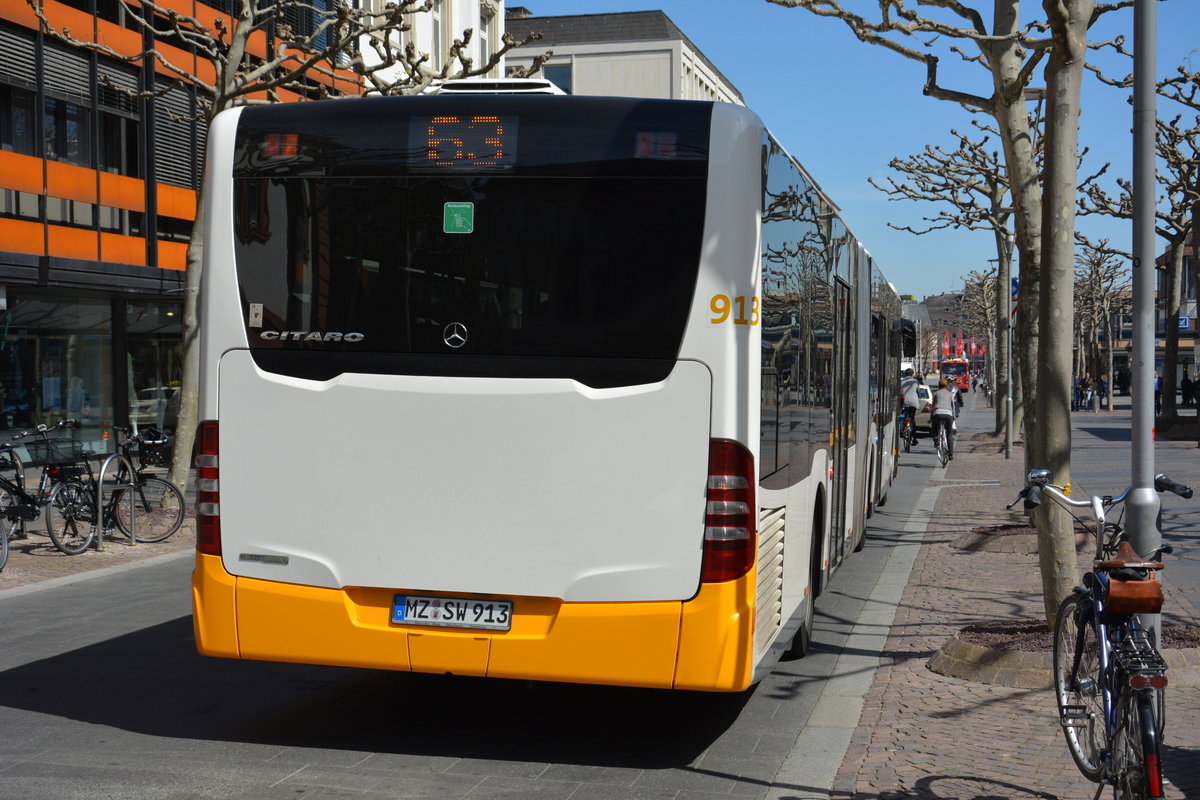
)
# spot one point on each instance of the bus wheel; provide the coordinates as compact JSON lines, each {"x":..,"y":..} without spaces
{"x":803,"y":638}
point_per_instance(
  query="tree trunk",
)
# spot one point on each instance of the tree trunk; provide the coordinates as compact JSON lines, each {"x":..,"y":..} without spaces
{"x":1064,"y":78}
{"x":1002,"y":341}
{"x":189,"y":391}
{"x":1172,"y":291}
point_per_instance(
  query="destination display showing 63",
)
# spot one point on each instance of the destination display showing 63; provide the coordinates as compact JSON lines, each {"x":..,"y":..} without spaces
{"x":466,"y":142}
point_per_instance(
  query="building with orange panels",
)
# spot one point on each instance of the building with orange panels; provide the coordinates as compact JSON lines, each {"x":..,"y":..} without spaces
{"x":97,"y":198}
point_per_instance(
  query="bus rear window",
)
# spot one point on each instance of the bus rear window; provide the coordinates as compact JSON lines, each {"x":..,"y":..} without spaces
{"x":467,"y":275}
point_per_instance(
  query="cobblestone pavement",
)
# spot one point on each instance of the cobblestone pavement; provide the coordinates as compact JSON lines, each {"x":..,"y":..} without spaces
{"x":36,"y":559}
{"x":923,"y":735}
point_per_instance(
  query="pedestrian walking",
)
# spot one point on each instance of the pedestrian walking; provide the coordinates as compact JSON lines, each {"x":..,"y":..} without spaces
{"x":1157,"y":393}
{"x":1187,"y":389}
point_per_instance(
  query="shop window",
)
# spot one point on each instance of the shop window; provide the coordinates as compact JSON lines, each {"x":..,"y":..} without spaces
{"x":56,"y":363}
{"x":155,"y":363}
{"x":16,"y":120}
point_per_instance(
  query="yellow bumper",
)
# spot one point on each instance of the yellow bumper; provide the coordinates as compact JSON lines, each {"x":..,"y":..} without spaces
{"x":703,"y":644}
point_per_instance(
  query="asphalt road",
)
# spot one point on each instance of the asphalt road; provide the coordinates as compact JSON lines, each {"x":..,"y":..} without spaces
{"x":103,"y":696}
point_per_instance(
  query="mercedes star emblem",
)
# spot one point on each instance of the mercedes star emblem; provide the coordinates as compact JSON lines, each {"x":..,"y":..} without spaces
{"x":455,"y":335}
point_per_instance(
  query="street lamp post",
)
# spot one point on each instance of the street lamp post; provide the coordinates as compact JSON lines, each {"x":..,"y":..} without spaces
{"x":1009,"y":242}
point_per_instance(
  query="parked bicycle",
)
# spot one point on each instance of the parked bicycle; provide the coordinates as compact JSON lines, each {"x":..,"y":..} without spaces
{"x":60,"y":459}
{"x":145,"y":508}
{"x":1109,"y":675}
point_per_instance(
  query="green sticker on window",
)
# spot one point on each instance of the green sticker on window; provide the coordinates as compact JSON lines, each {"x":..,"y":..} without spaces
{"x":458,"y":218}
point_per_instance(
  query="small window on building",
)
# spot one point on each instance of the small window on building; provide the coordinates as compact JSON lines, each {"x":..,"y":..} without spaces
{"x":18,"y":205}
{"x":437,"y":56}
{"x":559,"y":75}
{"x":486,"y":25}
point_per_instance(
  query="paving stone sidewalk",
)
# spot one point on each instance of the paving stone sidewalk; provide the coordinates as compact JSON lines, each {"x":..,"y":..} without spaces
{"x":36,"y":559}
{"x":924,"y":735}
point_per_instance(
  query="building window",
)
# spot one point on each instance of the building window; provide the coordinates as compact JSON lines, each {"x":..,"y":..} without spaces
{"x":155,"y":363}
{"x":304,"y":19}
{"x":560,"y":75}
{"x":437,"y":57}
{"x":174,"y":229}
{"x":16,"y":120}
{"x":119,"y":145}
{"x":66,"y":132}
{"x":54,"y":363}
{"x":486,"y":24}
{"x":60,"y":211}
{"x":18,"y":205}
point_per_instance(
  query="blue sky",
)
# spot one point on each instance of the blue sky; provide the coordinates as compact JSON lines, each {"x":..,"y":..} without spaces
{"x":845,"y":109}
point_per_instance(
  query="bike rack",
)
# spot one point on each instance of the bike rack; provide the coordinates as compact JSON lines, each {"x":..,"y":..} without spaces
{"x":100,"y":487}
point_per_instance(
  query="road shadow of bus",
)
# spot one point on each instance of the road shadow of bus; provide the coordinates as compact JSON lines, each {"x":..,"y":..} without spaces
{"x":153,"y":682}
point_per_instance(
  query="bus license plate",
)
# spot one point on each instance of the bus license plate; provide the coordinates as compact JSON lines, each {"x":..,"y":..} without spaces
{"x":452,"y":612}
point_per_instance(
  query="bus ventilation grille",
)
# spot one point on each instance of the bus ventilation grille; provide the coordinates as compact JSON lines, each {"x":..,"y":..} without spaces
{"x":769,"y":598}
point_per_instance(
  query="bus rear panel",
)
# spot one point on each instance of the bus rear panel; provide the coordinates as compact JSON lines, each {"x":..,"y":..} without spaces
{"x":471,"y":405}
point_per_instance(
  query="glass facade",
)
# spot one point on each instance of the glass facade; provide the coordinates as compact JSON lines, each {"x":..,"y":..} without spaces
{"x":102,"y":361}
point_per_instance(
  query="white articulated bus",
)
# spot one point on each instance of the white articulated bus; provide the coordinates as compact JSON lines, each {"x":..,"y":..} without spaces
{"x":545,"y":387}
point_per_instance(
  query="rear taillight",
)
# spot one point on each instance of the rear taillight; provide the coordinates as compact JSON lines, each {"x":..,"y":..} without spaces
{"x":1147,"y":681}
{"x":729,"y":516}
{"x":208,"y":490}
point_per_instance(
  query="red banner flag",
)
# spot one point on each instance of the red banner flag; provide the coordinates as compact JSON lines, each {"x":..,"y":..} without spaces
{"x":945,"y":343}
{"x":958,"y":344}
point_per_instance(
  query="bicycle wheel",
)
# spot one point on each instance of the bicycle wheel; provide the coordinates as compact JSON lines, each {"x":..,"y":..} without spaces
{"x":908,"y":436}
{"x":157,"y":510}
{"x":1078,"y":687}
{"x":1136,"y":767}
{"x":941,"y":448}
{"x":69,"y":518}
{"x":7,"y":525}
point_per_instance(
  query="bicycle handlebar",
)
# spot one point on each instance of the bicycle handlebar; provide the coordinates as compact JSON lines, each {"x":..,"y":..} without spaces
{"x":1039,"y":483}
{"x":42,"y":429}
{"x":1163,"y":483}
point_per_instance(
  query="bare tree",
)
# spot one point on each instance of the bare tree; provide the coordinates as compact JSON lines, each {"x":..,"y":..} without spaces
{"x":259,"y":56}
{"x":1044,"y":212}
{"x":973,"y":182}
{"x":1104,"y":292}
{"x":1178,"y":150}
{"x":1184,"y":88}
{"x":979,"y":303}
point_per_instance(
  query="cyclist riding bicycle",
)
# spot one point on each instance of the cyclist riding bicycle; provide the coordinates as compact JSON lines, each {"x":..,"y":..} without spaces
{"x":945,"y":409}
{"x":909,"y":395}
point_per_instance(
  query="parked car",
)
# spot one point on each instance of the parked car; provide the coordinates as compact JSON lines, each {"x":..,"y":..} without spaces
{"x":157,"y":406}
